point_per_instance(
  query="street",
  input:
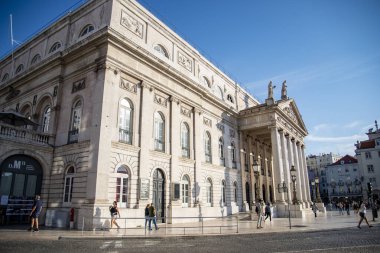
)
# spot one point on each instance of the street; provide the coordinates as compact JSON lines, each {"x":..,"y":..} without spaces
{"x":336,"y":240}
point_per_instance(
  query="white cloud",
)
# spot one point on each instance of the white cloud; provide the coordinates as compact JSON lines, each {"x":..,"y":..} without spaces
{"x":322,"y":126}
{"x":352,"y":124}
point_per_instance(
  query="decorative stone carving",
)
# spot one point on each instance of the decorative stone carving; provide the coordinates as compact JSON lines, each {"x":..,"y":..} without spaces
{"x":78,"y":85}
{"x":220,"y":126}
{"x":132,"y":24}
{"x":160,"y":100}
{"x":289,"y":111}
{"x":12,"y":93}
{"x":185,"y":62}
{"x":127,"y":85}
{"x":232,"y":133}
{"x":207,"y":121}
{"x":284,"y":94}
{"x":185,"y":112}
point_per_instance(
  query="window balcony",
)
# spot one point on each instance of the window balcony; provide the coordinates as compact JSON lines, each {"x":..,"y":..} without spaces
{"x":125,"y":136}
{"x":73,"y":136}
{"x":24,"y":135}
{"x":159,"y":145}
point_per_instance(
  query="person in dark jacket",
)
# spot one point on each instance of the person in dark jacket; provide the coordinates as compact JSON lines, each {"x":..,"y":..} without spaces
{"x":36,"y":211}
{"x":152,"y":216}
{"x":268,"y":212}
{"x":147,"y":218}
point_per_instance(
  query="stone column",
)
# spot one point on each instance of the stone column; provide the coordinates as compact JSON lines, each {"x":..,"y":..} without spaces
{"x":304,"y":186}
{"x":243,"y":173}
{"x":198,"y":149}
{"x":145,"y":138}
{"x":308,"y":196}
{"x":278,"y":172}
{"x":290,"y":163}
{"x":298,"y":171}
{"x":175,"y":144}
{"x":252,"y":190}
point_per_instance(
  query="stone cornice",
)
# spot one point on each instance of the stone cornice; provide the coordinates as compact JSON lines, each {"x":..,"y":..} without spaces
{"x":124,"y":146}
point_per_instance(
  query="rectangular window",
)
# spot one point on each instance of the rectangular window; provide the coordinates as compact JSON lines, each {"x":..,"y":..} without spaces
{"x":68,"y":189}
{"x":185,"y":195}
{"x":18,"y":186}
{"x":372,"y":179}
{"x":5,"y":184}
{"x":370,"y":168}
{"x":368,"y":155}
{"x":31,"y":186}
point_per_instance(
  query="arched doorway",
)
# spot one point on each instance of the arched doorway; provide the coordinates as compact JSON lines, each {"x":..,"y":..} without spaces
{"x":20,"y":181}
{"x":158,"y":198}
{"x":247,"y":195}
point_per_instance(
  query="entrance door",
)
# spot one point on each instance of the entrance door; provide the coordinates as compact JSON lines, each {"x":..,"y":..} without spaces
{"x":247,"y":195}
{"x":159,"y":195}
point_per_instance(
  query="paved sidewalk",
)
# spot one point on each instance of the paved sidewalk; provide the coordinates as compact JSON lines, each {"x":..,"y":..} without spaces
{"x":240,"y":223}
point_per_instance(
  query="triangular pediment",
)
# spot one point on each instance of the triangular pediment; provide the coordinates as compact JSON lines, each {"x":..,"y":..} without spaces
{"x":290,"y":109}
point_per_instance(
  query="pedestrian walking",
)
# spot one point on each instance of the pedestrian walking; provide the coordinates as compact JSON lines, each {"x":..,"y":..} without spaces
{"x":260,"y":209}
{"x":114,"y":210}
{"x":315,"y":209}
{"x":347,"y":206}
{"x":340,"y":206}
{"x":152,"y":217}
{"x":147,"y":218}
{"x":362,"y":213}
{"x":268,"y":212}
{"x":35,"y":213}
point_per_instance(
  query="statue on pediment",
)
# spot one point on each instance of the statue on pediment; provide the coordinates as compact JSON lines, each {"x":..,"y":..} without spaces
{"x":284,"y":91}
{"x":270,"y":90}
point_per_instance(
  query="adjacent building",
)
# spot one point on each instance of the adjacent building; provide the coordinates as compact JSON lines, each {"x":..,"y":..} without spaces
{"x":316,"y":167}
{"x":126,"y":110}
{"x":344,"y":180}
{"x":368,"y":155}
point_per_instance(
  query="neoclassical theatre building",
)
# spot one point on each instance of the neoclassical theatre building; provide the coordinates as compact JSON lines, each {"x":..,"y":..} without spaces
{"x":108,"y":103}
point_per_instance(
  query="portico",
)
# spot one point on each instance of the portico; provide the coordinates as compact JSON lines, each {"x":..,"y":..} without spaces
{"x":273,"y":135}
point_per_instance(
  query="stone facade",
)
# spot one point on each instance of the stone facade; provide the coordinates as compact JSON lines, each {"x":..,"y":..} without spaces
{"x":129,"y":111}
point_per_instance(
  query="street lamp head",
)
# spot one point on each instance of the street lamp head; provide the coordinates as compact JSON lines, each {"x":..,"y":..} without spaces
{"x":256,"y":165}
{"x":317,"y":180}
{"x":293,"y":173}
{"x":312,"y":183}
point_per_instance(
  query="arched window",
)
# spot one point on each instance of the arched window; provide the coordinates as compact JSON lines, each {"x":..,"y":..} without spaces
{"x":125,"y":121}
{"x":5,"y":77}
{"x":69,"y":182}
{"x":161,"y":50}
{"x":185,"y":140}
{"x":235,"y":192}
{"x":122,"y":184}
{"x":221,"y":151}
{"x":36,"y":59}
{"x":219,"y":92}
{"x":233,"y":155}
{"x":208,"y":154}
{"x":46,"y":119}
{"x":19,"y":68}
{"x":223,"y":193}
{"x":86,"y":30}
{"x":230,"y":99}
{"x":185,"y":190}
{"x":76,"y":114}
{"x":209,"y":192}
{"x":206,"y":82}
{"x":55,"y":47}
{"x":159,"y":132}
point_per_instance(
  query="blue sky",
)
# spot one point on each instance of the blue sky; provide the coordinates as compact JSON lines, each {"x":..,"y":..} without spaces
{"x":327,"y":50}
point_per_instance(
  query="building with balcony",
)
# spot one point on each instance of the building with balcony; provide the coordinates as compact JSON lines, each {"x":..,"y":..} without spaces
{"x":123,"y":109}
{"x":368,"y":155}
{"x":344,"y":180}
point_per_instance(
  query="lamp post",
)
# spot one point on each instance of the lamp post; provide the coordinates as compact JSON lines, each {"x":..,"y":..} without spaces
{"x":284,"y":188}
{"x":313,"y":190}
{"x":256,"y":170}
{"x":318,"y":197}
{"x":294,"y":177}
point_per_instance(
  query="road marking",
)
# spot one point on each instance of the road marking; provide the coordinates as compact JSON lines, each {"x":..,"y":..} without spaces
{"x":311,"y":250}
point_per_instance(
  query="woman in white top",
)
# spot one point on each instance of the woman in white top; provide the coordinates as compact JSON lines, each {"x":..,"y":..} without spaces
{"x":362,"y":212}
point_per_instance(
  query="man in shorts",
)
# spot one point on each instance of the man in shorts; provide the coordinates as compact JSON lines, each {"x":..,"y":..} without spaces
{"x":36,"y":211}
